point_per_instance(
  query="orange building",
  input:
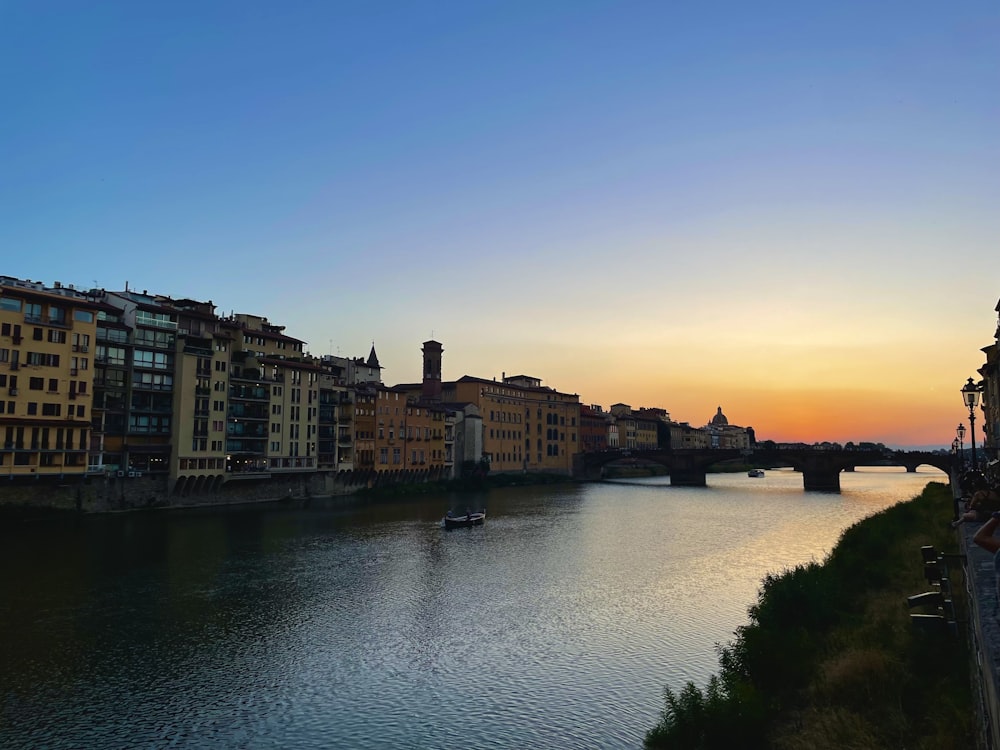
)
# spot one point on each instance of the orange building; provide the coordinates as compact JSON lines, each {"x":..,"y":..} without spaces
{"x":410,"y":434}
{"x":526,"y":426}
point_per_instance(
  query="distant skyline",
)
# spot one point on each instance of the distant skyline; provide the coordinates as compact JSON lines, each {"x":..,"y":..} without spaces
{"x":786,"y":209}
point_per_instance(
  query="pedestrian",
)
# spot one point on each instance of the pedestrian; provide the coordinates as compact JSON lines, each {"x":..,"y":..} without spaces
{"x":985,"y":538}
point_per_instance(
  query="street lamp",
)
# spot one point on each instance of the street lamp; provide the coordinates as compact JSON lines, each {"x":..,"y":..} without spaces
{"x":970,"y":395}
{"x":960,"y":431}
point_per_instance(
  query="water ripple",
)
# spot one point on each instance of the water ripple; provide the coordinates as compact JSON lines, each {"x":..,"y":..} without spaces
{"x":555,"y":625}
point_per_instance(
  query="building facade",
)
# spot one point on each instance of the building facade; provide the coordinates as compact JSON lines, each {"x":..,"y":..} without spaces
{"x":526,"y":426}
{"x":46,"y":380}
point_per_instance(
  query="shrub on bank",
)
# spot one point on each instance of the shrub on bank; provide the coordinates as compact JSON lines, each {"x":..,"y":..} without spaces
{"x":829,"y":658}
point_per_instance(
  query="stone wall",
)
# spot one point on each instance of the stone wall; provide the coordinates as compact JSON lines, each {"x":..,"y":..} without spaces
{"x":103,"y":494}
{"x":984,"y":631}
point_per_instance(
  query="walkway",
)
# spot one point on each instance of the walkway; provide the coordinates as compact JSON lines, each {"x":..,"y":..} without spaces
{"x":984,"y":627}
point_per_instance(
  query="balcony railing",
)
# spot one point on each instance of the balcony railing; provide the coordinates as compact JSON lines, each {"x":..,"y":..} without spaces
{"x":148,"y":320}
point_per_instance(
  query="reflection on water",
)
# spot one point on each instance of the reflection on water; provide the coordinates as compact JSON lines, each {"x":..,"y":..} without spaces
{"x":555,"y":625}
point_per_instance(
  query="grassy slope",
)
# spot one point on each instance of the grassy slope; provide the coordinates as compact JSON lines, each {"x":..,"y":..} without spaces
{"x":830,"y":658}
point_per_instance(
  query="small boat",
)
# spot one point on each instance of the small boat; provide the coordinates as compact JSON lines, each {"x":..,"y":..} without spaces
{"x":451,"y":521}
{"x":755,"y":473}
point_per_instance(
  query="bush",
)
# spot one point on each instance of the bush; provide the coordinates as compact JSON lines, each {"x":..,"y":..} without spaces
{"x":829,"y":659}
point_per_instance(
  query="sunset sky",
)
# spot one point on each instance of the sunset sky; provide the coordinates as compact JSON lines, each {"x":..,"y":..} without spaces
{"x":788,"y":209}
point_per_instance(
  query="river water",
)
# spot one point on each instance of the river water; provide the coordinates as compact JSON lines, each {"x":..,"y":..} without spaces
{"x":557,"y":624}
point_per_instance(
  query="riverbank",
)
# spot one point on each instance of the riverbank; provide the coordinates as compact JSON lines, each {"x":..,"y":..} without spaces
{"x":830,"y":658}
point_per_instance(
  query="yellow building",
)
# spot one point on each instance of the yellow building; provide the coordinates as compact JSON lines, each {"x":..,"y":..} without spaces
{"x":516,"y":424}
{"x":201,"y":386}
{"x":526,"y":426}
{"x":273,"y":412}
{"x":645,"y":433}
{"x":46,"y":379}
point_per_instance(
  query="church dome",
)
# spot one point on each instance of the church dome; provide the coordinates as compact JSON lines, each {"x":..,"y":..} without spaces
{"x":719,"y":418}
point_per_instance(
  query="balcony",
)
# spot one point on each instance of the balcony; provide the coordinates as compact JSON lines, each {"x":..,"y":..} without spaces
{"x":145,"y":319}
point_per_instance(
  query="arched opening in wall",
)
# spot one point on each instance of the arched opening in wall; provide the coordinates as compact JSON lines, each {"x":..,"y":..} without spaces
{"x":180,"y":485}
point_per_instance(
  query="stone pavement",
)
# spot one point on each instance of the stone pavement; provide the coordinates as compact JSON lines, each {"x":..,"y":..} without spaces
{"x":984,"y":630}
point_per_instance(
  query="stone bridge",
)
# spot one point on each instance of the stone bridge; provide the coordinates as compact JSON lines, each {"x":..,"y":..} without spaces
{"x":820,"y":468}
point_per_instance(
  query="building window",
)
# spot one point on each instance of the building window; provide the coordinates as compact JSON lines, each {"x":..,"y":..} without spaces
{"x":113,"y":355}
{"x":84,"y":316}
{"x":51,"y":410}
{"x":11,"y":305}
{"x":157,"y":360}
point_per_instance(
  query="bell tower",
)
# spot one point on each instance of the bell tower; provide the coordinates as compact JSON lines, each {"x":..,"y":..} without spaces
{"x":432,"y":371}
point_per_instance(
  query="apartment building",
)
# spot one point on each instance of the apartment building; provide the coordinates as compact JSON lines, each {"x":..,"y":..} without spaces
{"x":593,"y":428}
{"x":365,"y":421}
{"x":335,"y":438}
{"x":201,"y":398}
{"x":683,"y":435}
{"x":526,"y":426}
{"x":45,"y":379}
{"x":273,"y":414}
{"x":198,"y":398}
{"x":409,"y":433}
{"x":625,"y":421}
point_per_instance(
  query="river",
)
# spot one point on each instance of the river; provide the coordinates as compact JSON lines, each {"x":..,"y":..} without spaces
{"x":557,"y":624}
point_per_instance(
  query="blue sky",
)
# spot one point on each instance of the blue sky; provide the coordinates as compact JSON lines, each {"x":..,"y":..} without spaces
{"x":786,"y":208}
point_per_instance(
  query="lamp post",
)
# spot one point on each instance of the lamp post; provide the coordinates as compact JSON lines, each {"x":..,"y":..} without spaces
{"x":960,"y":431}
{"x":970,"y":395}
